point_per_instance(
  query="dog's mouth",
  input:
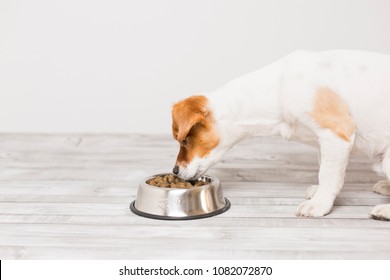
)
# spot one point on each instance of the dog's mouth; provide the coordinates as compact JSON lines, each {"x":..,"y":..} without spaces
{"x":193,"y":178}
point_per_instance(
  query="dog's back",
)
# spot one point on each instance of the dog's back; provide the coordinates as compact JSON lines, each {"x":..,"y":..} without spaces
{"x":361,"y":79}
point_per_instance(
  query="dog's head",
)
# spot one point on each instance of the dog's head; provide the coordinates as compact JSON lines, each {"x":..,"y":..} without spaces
{"x":194,"y":128}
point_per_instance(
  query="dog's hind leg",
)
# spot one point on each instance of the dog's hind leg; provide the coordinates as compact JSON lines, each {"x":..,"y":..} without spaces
{"x":382,"y":187}
{"x":334,"y":159}
{"x":382,"y":211}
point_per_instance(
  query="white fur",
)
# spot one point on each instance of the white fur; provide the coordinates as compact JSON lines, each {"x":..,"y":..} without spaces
{"x":382,"y":187}
{"x":381,"y":212}
{"x":310,"y":191}
{"x":276,"y":99}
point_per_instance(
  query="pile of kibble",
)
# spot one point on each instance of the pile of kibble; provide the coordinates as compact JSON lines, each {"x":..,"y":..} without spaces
{"x":172,"y":181}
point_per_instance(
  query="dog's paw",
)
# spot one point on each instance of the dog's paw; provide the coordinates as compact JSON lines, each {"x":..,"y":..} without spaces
{"x":381,"y":212}
{"x":314,"y":208}
{"x":310,"y":192}
{"x":382,"y":187}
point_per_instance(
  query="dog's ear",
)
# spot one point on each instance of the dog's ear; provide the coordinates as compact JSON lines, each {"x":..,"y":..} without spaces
{"x":186,"y":114}
{"x":185,"y":124}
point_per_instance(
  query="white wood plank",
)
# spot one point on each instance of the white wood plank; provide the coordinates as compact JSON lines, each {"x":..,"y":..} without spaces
{"x":137,"y":252}
{"x":218,"y":221}
{"x":66,"y":196}
{"x":246,"y":210}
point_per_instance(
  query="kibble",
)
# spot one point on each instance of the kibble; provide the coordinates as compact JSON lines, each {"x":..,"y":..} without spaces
{"x":172,"y":181}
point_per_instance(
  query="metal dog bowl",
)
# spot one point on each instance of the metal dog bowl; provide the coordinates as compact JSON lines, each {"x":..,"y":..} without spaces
{"x":180,"y":204}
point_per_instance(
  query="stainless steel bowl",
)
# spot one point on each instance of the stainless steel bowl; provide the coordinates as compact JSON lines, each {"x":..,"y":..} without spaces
{"x":180,"y":204}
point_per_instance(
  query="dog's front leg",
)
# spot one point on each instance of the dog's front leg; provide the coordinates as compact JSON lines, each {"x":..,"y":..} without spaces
{"x":334,"y":159}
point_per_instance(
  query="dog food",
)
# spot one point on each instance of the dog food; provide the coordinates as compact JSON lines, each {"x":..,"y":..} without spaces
{"x":172,"y":181}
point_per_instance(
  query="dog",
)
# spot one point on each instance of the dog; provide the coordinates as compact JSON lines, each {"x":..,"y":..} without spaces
{"x":338,"y":100}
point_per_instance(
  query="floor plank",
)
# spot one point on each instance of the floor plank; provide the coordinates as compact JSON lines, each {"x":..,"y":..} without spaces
{"x":66,"y":196}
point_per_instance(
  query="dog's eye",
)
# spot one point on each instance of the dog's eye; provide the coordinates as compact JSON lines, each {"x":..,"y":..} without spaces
{"x":184,"y":142}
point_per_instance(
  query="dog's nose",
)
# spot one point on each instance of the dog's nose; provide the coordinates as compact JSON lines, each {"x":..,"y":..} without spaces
{"x":175,"y":169}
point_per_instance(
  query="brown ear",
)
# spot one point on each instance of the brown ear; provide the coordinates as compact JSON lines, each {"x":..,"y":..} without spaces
{"x":185,"y":125}
{"x":186,"y":114}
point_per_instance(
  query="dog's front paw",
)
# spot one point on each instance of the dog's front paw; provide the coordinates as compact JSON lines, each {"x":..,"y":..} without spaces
{"x":314,"y":208}
{"x":311,"y":191}
{"x":381,"y":212}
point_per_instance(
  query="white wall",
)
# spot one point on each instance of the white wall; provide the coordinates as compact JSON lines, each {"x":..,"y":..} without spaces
{"x":118,"y":65}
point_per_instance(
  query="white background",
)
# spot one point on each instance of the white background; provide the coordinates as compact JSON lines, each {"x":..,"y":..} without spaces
{"x":118,"y":65}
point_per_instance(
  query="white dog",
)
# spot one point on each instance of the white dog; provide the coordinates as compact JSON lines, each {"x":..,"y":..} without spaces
{"x":339,"y":100}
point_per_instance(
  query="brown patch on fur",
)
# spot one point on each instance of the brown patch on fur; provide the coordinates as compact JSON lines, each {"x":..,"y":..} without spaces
{"x":331,"y":112}
{"x":193,"y":123}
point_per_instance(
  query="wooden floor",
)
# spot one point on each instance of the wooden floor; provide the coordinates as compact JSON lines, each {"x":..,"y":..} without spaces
{"x":68,"y":196}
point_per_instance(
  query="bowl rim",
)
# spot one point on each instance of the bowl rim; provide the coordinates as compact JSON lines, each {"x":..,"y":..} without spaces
{"x":225,"y":208}
{"x":214,"y":181}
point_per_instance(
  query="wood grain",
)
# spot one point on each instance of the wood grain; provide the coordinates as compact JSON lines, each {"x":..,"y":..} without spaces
{"x":66,"y":196}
